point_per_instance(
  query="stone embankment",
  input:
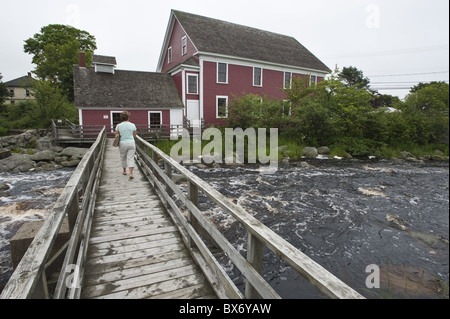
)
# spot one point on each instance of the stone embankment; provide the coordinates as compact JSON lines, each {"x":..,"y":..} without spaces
{"x":36,"y":150}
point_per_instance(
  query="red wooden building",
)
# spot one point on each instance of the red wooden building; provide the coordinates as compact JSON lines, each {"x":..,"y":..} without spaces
{"x":102,"y":93}
{"x":203,"y":63}
{"x":212,"y":60}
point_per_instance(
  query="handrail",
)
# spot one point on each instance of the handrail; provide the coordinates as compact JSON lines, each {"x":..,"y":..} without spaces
{"x":29,"y":280}
{"x":91,"y":131}
{"x":259,"y":235}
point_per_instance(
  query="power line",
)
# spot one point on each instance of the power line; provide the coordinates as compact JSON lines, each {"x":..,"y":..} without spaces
{"x":405,"y":82}
{"x":407,"y":74}
{"x":391,"y":52}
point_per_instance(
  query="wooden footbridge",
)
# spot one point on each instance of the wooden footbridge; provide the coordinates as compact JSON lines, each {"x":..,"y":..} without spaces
{"x":147,"y":238}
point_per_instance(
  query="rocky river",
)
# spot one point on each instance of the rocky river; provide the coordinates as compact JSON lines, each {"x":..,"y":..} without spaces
{"x":347,"y":215}
{"x":344,"y":214}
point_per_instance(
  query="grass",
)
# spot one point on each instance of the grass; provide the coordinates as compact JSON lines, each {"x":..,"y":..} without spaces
{"x":295,"y":149}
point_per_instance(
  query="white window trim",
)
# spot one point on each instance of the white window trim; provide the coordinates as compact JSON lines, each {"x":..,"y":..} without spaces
{"x":111,"y":119}
{"x":184,"y":45}
{"x":261,"y":84}
{"x":217,"y":106}
{"x":217,"y":73}
{"x":154,"y":112}
{"x":310,"y":79}
{"x":284,"y":80}
{"x":187,"y":83}
{"x":169,"y":55}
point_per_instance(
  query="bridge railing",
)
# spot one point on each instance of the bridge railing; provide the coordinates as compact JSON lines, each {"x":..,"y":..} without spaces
{"x":90,"y":132}
{"x":196,"y":226}
{"x":76,"y":203}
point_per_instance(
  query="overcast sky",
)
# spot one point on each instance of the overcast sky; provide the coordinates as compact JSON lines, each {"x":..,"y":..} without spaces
{"x":396,"y":43}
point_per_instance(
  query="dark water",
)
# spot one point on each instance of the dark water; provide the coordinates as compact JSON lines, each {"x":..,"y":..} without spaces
{"x":347,"y":215}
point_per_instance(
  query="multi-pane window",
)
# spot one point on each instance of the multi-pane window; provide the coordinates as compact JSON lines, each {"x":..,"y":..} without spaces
{"x":192,"y":84}
{"x":222,"y":106}
{"x":287,"y":80}
{"x":155,"y":119}
{"x":313,"y":80}
{"x":257,"y":76}
{"x":222,"y":73}
{"x":183,"y":46}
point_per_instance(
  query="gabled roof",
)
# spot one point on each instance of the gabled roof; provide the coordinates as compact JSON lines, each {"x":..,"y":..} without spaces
{"x":124,"y":89}
{"x":103,"y":59}
{"x":23,"y":81}
{"x":224,"y":38}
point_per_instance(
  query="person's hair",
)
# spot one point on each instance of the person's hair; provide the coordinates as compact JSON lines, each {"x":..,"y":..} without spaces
{"x":124,"y":116}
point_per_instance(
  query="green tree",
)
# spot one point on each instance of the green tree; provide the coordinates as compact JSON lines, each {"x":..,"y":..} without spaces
{"x":3,"y":91}
{"x":351,"y":76}
{"x":49,"y":103}
{"x":55,"y":51}
{"x":429,"y":98}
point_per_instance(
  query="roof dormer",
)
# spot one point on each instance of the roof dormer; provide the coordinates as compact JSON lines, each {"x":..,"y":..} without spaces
{"x":104,"y":64}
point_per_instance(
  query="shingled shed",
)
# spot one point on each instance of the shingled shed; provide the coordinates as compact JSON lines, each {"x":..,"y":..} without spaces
{"x":103,"y":92}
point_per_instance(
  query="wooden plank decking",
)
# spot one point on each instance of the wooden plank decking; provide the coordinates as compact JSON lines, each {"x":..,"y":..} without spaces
{"x":135,"y":250}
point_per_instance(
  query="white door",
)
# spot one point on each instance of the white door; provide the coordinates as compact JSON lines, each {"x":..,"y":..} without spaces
{"x":193,"y":111}
{"x":176,"y":122}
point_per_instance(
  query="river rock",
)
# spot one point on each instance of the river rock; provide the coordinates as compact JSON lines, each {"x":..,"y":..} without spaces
{"x":4,"y":190}
{"x":405,"y":155}
{"x":46,"y":156}
{"x":323,"y":150}
{"x":16,"y":163}
{"x":71,"y":151}
{"x":4,"y":153}
{"x":71,"y":163}
{"x":437,"y":158}
{"x":27,"y":139}
{"x":45,"y":143}
{"x":310,"y":152}
{"x":305,"y":164}
{"x":4,"y":187}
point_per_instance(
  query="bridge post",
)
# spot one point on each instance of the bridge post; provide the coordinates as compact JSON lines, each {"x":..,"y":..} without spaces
{"x":255,"y":253}
{"x":72,"y":211}
{"x":168,"y":171}
{"x":193,"y":197}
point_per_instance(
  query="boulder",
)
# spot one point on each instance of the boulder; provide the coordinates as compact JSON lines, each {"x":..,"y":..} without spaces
{"x":4,"y":187}
{"x":71,"y":151}
{"x":71,"y":163}
{"x":323,"y":150}
{"x":305,"y":164}
{"x":310,"y":152}
{"x":406,"y":155}
{"x":16,"y":163}
{"x":46,"y":156}
{"x":4,"y":153}
{"x":45,"y":143}
{"x":437,"y":158}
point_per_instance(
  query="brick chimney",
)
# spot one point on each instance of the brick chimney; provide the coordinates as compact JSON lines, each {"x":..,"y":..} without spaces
{"x":82,"y":59}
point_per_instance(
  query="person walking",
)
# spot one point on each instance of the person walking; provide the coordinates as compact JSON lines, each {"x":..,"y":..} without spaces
{"x":127,"y":145}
